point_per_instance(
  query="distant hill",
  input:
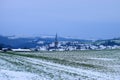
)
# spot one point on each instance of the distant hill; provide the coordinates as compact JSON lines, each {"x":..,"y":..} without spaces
{"x":31,"y":42}
{"x":108,"y":42}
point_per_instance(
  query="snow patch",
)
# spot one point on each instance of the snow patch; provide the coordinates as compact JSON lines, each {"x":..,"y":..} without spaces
{"x":104,"y":59}
{"x":15,"y":75}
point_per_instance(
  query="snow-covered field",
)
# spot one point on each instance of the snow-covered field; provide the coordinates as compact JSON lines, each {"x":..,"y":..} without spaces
{"x":74,"y":65}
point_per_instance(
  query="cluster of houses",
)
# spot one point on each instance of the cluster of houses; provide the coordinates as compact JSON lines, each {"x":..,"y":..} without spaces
{"x":64,"y":46}
{"x":73,"y":46}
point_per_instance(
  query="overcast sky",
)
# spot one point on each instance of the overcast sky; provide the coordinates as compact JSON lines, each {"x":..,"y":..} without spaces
{"x":86,"y":19}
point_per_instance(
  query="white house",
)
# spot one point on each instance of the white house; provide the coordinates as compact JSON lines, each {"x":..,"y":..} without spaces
{"x":21,"y":50}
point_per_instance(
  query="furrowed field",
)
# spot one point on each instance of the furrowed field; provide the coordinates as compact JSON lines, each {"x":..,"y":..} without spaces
{"x":68,"y":65}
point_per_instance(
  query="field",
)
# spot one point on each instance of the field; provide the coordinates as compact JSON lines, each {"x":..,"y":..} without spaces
{"x":69,"y":65}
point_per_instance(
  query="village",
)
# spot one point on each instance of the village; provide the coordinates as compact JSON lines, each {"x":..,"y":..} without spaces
{"x":57,"y":45}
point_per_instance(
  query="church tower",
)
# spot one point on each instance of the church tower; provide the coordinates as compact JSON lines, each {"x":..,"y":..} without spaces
{"x":56,"y":41}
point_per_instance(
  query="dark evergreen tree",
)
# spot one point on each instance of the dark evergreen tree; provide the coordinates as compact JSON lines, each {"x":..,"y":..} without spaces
{"x":1,"y":46}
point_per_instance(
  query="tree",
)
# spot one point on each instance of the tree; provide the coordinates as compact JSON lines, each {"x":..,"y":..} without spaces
{"x":1,"y":46}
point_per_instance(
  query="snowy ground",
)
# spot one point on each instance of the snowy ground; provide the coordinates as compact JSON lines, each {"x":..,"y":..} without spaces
{"x":77,"y":65}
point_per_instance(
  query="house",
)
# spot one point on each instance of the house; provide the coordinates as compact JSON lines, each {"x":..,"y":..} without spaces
{"x":21,"y":50}
{"x":5,"y":49}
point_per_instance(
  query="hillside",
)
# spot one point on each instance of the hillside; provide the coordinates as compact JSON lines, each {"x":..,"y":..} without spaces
{"x":108,"y":42}
{"x":74,"y":65}
{"x":31,"y":42}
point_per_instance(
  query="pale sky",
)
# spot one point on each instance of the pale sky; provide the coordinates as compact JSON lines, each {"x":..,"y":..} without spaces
{"x":86,"y":19}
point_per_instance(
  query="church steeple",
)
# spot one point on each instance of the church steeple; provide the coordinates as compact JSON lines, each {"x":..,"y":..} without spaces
{"x":56,"y":41}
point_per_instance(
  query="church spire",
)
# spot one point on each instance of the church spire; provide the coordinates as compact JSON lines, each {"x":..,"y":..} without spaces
{"x":56,"y":41}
